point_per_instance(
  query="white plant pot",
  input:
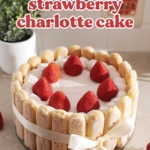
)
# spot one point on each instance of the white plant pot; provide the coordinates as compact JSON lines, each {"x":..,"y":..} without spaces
{"x":12,"y":55}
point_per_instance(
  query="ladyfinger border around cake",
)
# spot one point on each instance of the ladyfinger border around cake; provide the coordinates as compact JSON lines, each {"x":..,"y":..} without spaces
{"x":95,"y":124}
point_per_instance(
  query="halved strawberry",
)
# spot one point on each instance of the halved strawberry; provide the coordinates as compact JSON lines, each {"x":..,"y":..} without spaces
{"x":52,"y":72}
{"x":148,"y":146}
{"x":1,"y":121}
{"x":59,"y":101}
{"x":107,"y":90}
{"x":43,"y":89}
{"x":88,"y":102}
{"x":99,"y":73}
{"x":73,"y":66}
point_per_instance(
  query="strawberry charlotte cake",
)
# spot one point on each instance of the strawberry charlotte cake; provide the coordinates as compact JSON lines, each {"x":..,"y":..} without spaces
{"x":74,"y":98}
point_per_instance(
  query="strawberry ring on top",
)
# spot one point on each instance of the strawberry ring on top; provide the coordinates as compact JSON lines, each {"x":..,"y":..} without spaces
{"x":105,"y":89}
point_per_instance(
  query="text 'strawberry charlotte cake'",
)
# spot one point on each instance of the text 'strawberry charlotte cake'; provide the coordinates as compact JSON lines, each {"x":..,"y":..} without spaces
{"x":74,"y":98}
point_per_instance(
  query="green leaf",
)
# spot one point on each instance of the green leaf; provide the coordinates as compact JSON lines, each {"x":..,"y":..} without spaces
{"x":10,"y":11}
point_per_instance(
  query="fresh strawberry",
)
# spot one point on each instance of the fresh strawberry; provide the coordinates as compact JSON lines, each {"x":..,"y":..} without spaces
{"x":1,"y":121}
{"x":52,"y":72}
{"x":99,"y":73}
{"x":59,"y":101}
{"x":148,"y":146}
{"x":88,"y":102}
{"x":73,"y":66}
{"x":43,"y":89}
{"x":107,"y":90}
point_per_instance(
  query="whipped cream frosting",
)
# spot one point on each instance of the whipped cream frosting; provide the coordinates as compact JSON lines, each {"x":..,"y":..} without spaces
{"x":75,"y":86}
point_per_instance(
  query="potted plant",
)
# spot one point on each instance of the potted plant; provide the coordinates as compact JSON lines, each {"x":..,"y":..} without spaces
{"x":16,"y":45}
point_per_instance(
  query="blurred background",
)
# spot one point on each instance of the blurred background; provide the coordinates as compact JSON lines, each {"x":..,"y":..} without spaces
{"x":129,"y":40}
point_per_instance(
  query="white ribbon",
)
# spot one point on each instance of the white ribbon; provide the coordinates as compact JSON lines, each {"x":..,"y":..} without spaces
{"x":76,"y":142}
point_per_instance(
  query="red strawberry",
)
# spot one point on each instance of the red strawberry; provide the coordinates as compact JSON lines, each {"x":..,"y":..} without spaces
{"x":148,"y":146}
{"x":107,"y":90}
{"x":73,"y":66}
{"x":88,"y":102}
{"x":52,"y":72}
{"x":1,"y":121}
{"x":99,"y":73}
{"x":43,"y":89}
{"x":59,"y":101}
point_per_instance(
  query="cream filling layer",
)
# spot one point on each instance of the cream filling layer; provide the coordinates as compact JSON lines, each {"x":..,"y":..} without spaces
{"x":75,"y":86}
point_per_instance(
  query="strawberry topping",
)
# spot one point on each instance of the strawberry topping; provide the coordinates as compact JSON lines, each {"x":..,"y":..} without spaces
{"x":1,"y":121}
{"x":107,"y":90}
{"x":73,"y":66}
{"x":52,"y":72}
{"x":148,"y":146}
{"x":88,"y":102}
{"x":43,"y":89}
{"x":99,"y":73}
{"x":59,"y":101}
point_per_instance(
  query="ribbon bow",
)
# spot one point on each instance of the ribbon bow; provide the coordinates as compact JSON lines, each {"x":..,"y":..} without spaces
{"x":122,"y":128}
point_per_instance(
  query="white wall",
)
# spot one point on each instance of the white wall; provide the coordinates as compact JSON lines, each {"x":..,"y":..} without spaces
{"x":137,"y":39}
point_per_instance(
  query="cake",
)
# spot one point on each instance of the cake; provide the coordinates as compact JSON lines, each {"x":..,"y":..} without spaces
{"x":74,"y":98}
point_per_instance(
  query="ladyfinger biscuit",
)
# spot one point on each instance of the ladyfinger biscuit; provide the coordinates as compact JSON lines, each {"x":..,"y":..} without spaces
{"x":74,"y":49}
{"x":88,"y":52}
{"x":124,"y":106}
{"x":24,"y":69}
{"x":59,"y":124}
{"x":43,"y":119}
{"x":20,"y":97}
{"x":131,"y":79}
{"x":77,"y":124}
{"x":115,"y":59}
{"x":15,"y":86}
{"x":17,"y":76}
{"x":123,"y":68}
{"x":131,"y":83}
{"x":133,"y":94}
{"x":29,"y":113}
{"x":131,"y":74}
{"x":34,"y":61}
{"x":95,"y":124}
{"x":102,"y":55}
{"x":47,"y":56}
{"x":60,"y":52}
{"x":112,"y":115}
